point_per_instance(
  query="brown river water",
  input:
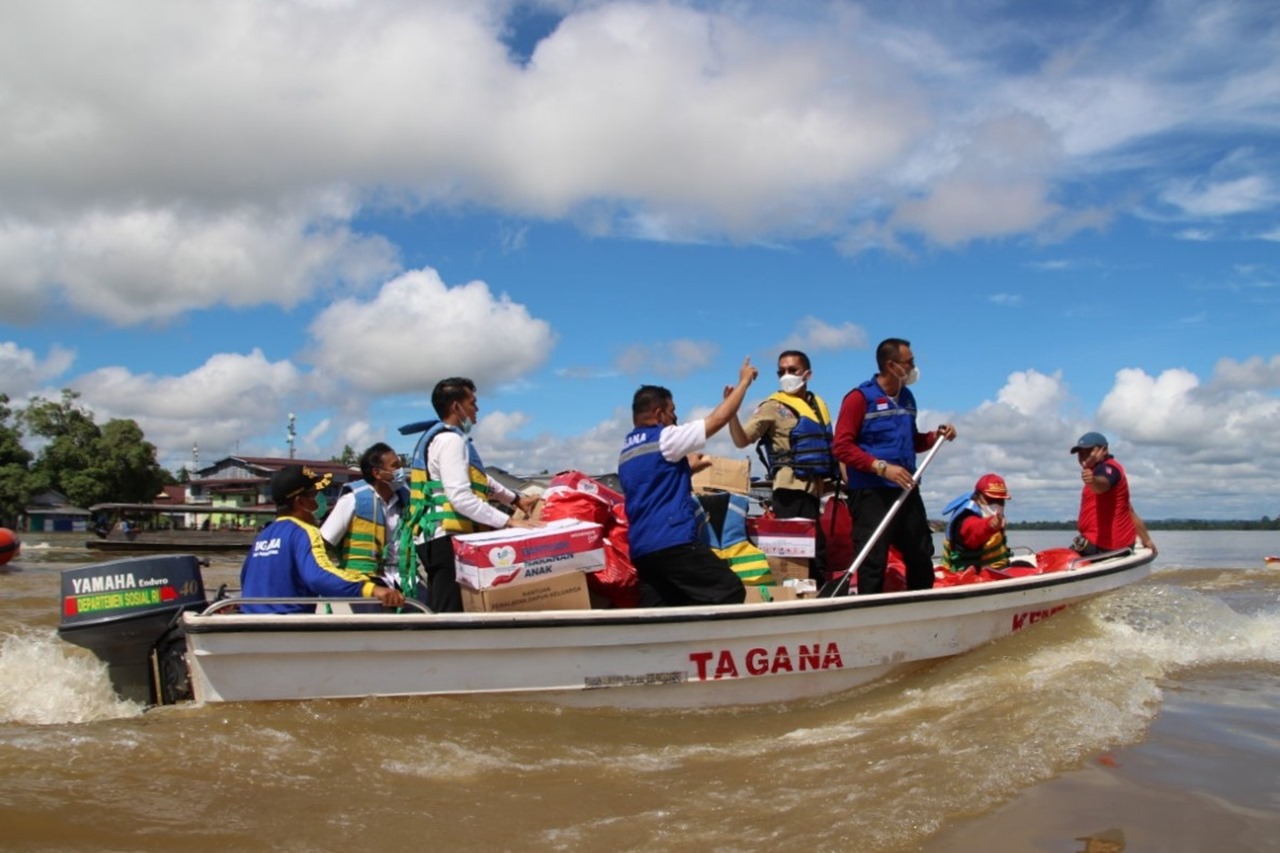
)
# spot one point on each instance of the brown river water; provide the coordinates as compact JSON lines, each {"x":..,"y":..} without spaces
{"x":1148,"y":720}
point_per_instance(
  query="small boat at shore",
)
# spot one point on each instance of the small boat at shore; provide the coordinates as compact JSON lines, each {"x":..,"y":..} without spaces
{"x":164,"y":640}
{"x":1271,"y":560}
{"x":139,"y":537}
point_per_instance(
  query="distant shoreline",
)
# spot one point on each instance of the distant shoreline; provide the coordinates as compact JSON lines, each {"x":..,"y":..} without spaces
{"x":1163,"y":524}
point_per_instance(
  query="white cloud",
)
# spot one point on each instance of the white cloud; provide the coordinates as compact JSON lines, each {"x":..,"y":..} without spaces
{"x":1032,"y":393}
{"x":229,"y":398}
{"x":1251,"y":374}
{"x":233,"y":177}
{"x":417,"y":330}
{"x":22,"y":372}
{"x":154,"y":263}
{"x":812,"y":335}
{"x":1222,"y":198}
{"x":669,"y":359}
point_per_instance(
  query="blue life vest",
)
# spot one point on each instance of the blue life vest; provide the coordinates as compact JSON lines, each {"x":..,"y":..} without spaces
{"x":809,"y":455}
{"x":723,"y":517}
{"x":994,"y":552}
{"x":661,"y":511}
{"x":888,"y":432}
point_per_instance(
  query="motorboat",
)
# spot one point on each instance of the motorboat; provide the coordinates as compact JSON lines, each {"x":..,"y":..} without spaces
{"x":165,"y":639}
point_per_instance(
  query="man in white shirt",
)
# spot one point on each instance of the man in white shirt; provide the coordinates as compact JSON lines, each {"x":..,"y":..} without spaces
{"x":450,"y":492}
{"x":364,"y":522}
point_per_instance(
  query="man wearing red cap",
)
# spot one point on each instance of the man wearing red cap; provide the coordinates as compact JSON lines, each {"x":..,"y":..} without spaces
{"x":1107,"y":521}
{"x":975,"y":536}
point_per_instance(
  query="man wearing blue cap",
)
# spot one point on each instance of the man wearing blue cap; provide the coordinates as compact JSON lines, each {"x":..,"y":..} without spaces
{"x":1107,"y":521}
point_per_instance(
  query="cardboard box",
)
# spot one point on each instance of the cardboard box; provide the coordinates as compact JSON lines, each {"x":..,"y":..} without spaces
{"x":499,"y":557}
{"x":565,"y":591}
{"x":728,"y":475}
{"x":787,"y":537}
{"x":764,"y":594}
{"x":787,"y":568}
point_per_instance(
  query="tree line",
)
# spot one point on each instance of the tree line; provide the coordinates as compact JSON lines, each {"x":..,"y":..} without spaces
{"x":88,"y":463}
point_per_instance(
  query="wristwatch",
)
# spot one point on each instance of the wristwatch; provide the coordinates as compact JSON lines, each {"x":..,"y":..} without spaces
{"x":880,"y":465}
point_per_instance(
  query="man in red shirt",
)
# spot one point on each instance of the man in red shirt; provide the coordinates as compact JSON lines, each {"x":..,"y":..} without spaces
{"x":1107,"y":521}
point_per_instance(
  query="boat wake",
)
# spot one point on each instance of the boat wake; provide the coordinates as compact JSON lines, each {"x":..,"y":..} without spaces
{"x":43,"y":681}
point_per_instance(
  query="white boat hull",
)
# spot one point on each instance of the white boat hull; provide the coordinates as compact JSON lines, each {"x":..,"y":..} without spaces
{"x":652,"y":658}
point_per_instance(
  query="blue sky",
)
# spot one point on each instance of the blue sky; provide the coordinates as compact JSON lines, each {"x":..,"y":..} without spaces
{"x":213,"y":215}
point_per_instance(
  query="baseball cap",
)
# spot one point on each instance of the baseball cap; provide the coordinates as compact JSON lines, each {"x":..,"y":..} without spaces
{"x":292,"y":480}
{"x":1088,"y":440}
{"x":992,"y":486}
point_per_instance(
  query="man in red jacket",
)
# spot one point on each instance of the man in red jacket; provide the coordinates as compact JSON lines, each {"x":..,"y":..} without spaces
{"x":1108,"y":521}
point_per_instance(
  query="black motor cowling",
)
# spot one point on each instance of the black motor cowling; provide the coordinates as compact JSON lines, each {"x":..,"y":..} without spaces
{"x":125,"y":610}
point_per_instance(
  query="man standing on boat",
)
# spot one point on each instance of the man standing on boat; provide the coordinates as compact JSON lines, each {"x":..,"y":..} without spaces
{"x":1107,"y":520}
{"x":793,"y":429}
{"x":363,"y":523}
{"x":288,"y":559}
{"x":673,"y":566}
{"x":449,"y":492}
{"x":876,"y":439}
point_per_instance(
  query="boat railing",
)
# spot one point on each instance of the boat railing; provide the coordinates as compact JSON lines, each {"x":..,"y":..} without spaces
{"x":235,"y":601}
{"x":1082,"y":561}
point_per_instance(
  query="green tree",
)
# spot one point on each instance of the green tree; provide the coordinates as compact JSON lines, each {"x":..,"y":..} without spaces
{"x":91,"y":464}
{"x":125,"y":464}
{"x":16,"y":483}
{"x":348,"y":457}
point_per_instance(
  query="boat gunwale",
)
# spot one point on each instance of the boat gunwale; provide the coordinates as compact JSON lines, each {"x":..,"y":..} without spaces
{"x":227,"y":623}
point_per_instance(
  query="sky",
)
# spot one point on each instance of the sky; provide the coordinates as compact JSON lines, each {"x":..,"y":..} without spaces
{"x":213,"y":215}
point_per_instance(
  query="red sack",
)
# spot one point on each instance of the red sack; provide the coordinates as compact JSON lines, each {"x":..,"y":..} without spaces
{"x":1055,"y":559}
{"x":574,"y":495}
{"x":837,"y":527}
{"x":947,"y":578}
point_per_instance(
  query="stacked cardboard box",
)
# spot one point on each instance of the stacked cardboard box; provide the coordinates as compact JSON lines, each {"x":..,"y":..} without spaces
{"x":725,"y":475}
{"x":529,"y":569}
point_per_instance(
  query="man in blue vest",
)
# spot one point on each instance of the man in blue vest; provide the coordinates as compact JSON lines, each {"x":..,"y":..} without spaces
{"x":793,"y":428}
{"x":673,"y":566}
{"x":877,"y":441}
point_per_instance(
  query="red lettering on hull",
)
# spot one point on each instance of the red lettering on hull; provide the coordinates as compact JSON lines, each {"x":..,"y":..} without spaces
{"x":1031,"y":617}
{"x":724,"y":663}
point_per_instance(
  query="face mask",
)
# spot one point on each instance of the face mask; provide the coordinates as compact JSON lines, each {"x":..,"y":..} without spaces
{"x":992,"y":509}
{"x":790,"y":383}
{"x":465,"y":425}
{"x":912,"y":377}
{"x":322,"y":505}
{"x":397,"y":477}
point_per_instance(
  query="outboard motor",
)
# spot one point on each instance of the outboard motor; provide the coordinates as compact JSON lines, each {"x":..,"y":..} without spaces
{"x":126,"y":612}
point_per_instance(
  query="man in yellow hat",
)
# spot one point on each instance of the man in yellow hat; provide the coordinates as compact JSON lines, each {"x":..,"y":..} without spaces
{"x":288,"y":558}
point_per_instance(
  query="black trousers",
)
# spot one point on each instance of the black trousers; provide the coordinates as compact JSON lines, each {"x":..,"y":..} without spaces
{"x":909,"y":532}
{"x":442,"y":577}
{"x":684,"y":575}
{"x":794,"y":503}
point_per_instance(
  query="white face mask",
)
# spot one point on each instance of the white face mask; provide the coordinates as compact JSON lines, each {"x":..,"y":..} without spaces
{"x":466,"y":426}
{"x":989,"y":510}
{"x":912,"y":377}
{"x":790,"y":383}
